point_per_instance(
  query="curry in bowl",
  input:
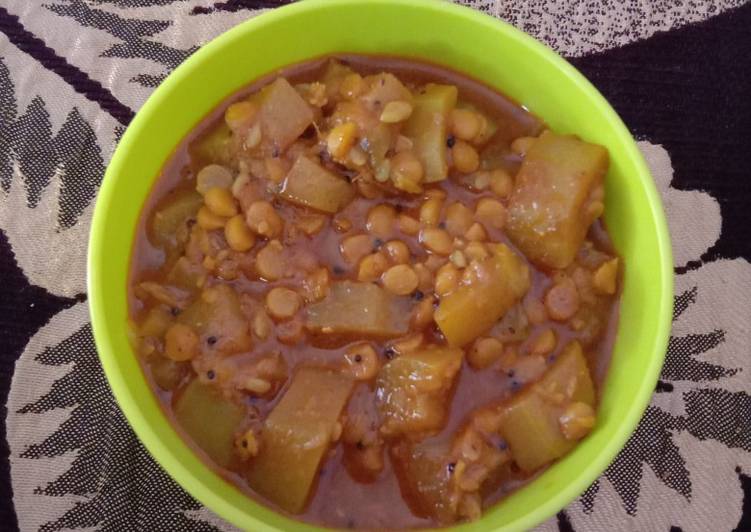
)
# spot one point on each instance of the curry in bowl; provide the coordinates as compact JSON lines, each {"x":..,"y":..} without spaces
{"x":373,"y":292}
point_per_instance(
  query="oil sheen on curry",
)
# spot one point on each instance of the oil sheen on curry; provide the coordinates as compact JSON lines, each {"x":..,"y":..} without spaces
{"x":374,"y":293}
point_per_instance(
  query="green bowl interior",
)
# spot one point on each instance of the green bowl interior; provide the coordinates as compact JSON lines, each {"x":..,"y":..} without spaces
{"x":445,"y":34}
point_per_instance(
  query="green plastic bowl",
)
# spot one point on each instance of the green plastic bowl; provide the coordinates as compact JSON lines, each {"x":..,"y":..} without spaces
{"x":464,"y":40}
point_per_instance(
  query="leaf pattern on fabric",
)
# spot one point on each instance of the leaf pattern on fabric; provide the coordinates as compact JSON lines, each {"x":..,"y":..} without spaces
{"x":35,"y":151}
{"x":720,"y":415}
{"x":683,"y":301}
{"x":81,"y":165}
{"x":133,"y":34}
{"x":49,"y":180}
{"x":681,"y":363}
{"x":28,"y":142}
{"x":114,"y":474}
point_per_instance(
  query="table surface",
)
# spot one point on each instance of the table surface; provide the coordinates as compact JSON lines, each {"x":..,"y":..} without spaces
{"x":72,"y":74}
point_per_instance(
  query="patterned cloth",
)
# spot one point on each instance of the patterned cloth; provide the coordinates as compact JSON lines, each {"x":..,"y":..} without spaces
{"x":72,"y":73}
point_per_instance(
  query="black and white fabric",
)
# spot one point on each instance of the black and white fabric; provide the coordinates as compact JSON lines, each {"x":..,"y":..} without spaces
{"x":72,"y":75}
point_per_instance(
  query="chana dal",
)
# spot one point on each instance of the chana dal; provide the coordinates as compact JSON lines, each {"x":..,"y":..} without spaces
{"x":375,"y":293}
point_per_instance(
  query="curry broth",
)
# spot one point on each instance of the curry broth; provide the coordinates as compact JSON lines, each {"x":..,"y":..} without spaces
{"x":342,"y":496}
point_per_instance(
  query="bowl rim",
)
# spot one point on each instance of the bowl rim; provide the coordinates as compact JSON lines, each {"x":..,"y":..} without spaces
{"x":98,"y":306}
